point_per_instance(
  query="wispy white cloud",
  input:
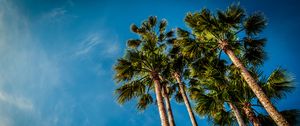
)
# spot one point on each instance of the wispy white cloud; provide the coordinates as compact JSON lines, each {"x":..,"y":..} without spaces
{"x":99,"y":43}
{"x":55,"y":15}
{"x":18,"y":101}
{"x":90,"y":42}
{"x":58,"y":15}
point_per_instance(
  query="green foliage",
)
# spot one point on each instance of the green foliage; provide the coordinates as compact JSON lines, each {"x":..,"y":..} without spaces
{"x":278,"y":84}
{"x":124,"y":70}
{"x":129,"y":90}
{"x":253,"y":51}
{"x":178,"y":97}
{"x":254,"y":24}
{"x":210,"y":29}
{"x":144,"y":101}
{"x":133,"y":43}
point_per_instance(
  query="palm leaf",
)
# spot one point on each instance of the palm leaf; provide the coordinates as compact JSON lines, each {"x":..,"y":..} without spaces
{"x":255,"y":23}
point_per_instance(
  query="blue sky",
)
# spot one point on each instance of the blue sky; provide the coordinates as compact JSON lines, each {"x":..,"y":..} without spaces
{"x":56,"y":57}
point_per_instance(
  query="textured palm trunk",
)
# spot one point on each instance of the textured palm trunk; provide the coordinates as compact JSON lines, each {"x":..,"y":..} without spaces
{"x":168,"y":107}
{"x":237,"y":114}
{"x":186,"y":100}
{"x":160,"y":103}
{"x":250,"y":114}
{"x":262,"y":97}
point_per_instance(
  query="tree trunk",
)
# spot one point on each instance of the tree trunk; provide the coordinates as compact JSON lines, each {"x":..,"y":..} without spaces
{"x":250,"y":114}
{"x":160,"y":103}
{"x":185,"y":99}
{"x":237,"y":114}
{"x":168,"y":106}
{"x":262,"y":97}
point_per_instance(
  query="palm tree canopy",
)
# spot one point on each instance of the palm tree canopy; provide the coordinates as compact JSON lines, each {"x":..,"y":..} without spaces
{"x":211,"y":28}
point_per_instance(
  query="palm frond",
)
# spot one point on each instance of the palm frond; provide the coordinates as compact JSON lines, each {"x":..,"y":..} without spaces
{"x":129,"y":91}
{"x":162,"y":25}
{"x":278,"y":84}
{"x":133,"y":43}
{"x":255,"y":23}
{"x":144,"y":101}
{"x":134,"y":28}
{"x":152,"y":20}
{"x":124,"y":70}
{"x":182,"y":33}
{"x":178,"y":97}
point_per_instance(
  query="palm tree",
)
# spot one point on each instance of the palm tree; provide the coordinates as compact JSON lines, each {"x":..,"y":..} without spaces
{"x":166,"y":95}
{"x":222,"y":32}
{"x":177,"y":68}
{"x":145,"y":58}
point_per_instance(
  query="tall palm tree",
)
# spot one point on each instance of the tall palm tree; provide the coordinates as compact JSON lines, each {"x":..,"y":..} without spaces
{"x":177,"y":68}
{"x":145,"y":58}
{"x":166,"y":95}
{"x":222,"y":32}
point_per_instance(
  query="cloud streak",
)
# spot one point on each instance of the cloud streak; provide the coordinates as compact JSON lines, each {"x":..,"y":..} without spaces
{"x":90,"y":42}
{"x":20,"y":102}
{"x":106,"y":46}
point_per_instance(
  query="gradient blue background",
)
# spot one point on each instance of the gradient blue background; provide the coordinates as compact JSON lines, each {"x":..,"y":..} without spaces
{"x":56,"y":57}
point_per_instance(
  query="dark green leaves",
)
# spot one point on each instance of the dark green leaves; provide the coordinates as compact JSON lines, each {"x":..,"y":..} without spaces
{"x":129,"y":90}
{"x":254,"y":51}
{"x":232,"y":16}
{"x":144,"y":101}
{"x":162,"y":25}
{"x":254,"y":24}
{"x":134,"y":28}
{"x":152,"y":20}
{"x":133,"y":43}
{"x":278,"y":84}
{"x":124,"y":70}
{"x":178,"y":97}
{"x":182,"y":33}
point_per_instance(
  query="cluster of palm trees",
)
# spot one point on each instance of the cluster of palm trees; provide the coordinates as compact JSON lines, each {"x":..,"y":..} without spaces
{"x":216,"y":65}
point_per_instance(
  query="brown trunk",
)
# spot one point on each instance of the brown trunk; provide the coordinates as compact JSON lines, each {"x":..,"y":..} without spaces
{"x":185,"y":99}
{"x":168,"y":106}
{"x":160,"y":103}
{"x":250,"y":114}
{"x":237,"y":114}
{"x":262,"y":97}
